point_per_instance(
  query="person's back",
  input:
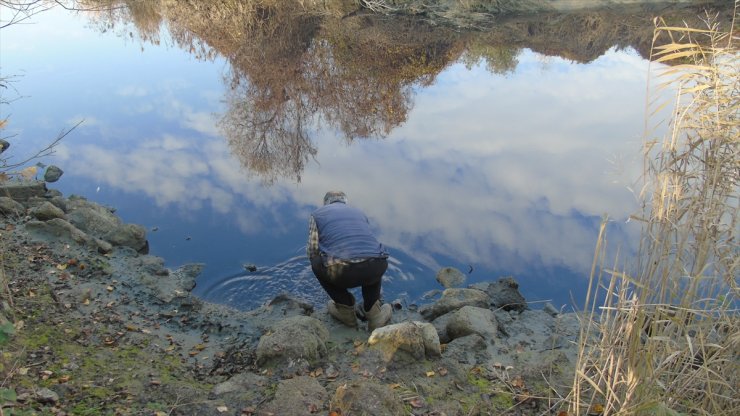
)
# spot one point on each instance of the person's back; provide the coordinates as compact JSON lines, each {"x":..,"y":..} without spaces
{"x":344,"y":233}
{"x":344,"y":253}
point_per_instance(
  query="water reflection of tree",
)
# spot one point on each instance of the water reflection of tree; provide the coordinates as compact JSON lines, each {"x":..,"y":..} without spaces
{"x":295,"y":66}
{"x":287,"y":81}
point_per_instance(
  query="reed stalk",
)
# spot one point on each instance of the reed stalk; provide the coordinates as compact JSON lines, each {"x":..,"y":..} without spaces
{"x":664,"y":339}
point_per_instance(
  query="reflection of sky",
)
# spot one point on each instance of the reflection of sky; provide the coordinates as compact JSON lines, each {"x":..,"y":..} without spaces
{"x":510,"y":175}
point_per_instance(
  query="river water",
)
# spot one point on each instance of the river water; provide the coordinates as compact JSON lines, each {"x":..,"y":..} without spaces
{"x":491,"y":152}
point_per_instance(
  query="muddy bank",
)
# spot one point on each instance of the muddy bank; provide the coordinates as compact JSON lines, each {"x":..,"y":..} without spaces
{"x":101,"y":327}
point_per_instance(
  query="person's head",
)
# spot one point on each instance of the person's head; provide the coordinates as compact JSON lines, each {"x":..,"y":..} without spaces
{"x":335,"y":196}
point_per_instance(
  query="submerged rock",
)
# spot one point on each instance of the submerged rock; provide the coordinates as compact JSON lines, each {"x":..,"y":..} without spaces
{"x":4,"y":145}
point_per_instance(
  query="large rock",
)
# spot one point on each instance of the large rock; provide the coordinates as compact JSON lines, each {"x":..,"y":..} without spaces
{"x":450,"y":277}
{"x":58,"y":228}
{"x":366,"y":398}
{"x":472,"y":320}
{"x":297,"y":337}
{"x":100,"y":222}
{"x":242,"y":382}
{"x":505,"y":295}
{"x":53,"y":173}
{"x":453,"y":299}
{"x":22,"y":191}
{"x":46,"y":211}
{"x":298,"y":396}
{"x":8,"y":206}
{"x":128,"y":235}
{"x":414,"y":340}
{"x":171,"y":286}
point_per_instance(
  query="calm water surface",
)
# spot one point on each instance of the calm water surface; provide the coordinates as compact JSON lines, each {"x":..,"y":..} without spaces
{"x":495,"y":168}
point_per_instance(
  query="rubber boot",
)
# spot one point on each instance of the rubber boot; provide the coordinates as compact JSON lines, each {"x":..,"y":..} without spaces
{"x":343,"y":313}
{"x":379,"y":315}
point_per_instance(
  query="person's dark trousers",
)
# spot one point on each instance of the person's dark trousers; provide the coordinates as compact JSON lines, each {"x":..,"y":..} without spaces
{"x":337,"y":278}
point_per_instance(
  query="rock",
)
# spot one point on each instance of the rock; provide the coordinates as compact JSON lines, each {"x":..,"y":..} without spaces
{"x":53,"y":173}
{"x":91,"y":218}
{"x":153,"y":265}
{"x":472,"y":320}
{"x":46,"y":396}
{"x":241,"y":382}
{"x":177,"y":284}
{"x":46,"y":211}
{"x":450,"y":277}
{"x":550,"y":309}
{"x":466,"y":349}
{"x":128,"y":235}
{"x":298,"y":396}
{"x":293,"y":338}
{"x":21,"y":191}
{"x":4,"y":145}
{"x":453,"y":299}
{"x":505,"y":295}
{"x":287,"y":305}
{"x":59,"y":229}
{"x":366,"y":398}
{"x":416,"y":340}
{"x":9,"y":206}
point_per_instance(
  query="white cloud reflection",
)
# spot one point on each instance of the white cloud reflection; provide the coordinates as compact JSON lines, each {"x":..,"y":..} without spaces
{"x":487,"y":169}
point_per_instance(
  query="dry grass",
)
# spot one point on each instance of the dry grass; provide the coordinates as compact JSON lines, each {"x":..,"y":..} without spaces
{"x":666,"y":339}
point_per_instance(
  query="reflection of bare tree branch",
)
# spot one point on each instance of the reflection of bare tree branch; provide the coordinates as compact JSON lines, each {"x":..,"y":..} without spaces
{"x":46,"y":151}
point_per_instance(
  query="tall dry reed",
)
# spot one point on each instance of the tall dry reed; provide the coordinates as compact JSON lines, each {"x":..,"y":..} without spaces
{"x":660,"y":334}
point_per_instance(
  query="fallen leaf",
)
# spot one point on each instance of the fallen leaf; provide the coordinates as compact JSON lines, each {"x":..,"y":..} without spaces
{"x":430,"y":373}
{"x":61,"y":266}
{"x":63,"y":379}
{"x":222,"y":409}
{"x":29,"y":172}
{"x":442,"y":371}
{"x":132,"y":328}
{"x":416,"y":403}
{"x":596,"y":409}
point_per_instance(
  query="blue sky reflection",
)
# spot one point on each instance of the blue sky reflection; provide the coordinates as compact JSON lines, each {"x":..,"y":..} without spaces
{"x":509,"y":174}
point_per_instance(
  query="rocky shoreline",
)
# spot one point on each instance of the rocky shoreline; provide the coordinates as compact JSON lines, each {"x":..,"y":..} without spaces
{"x":101,"y":327}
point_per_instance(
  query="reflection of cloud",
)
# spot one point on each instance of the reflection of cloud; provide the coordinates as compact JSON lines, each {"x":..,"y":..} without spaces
{"x":132,"y":91}
{"x":506,"y":172}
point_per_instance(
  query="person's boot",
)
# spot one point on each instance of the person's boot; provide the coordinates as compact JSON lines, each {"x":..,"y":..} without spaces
{"x":379,"y":315}
{"x":343,"y":313}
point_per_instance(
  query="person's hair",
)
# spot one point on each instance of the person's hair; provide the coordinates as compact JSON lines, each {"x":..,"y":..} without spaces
{"x":335,"y":196}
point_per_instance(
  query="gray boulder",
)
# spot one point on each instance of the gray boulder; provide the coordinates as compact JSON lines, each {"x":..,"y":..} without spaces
{"x":128,"y":235}
{"x":414,"y":340}
{"x":46,"y":211}
{"x":470,"y":349}
{"x":504,"y":294}
{"x":472,"y":320}
{"x":53,"y":173}
{"x":297,"y":337}
{"x":21,"y":191}
{"x":8,"y":206}
{"x":453,"y":299}
{"x":242,"y":382}
{"x":175,"y":285}
{"x":298,"y":396}
{"x":366,"y":398}
{"x":58,"y":228}
{"x":100,"y":222}
{"x":450,"y":277}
